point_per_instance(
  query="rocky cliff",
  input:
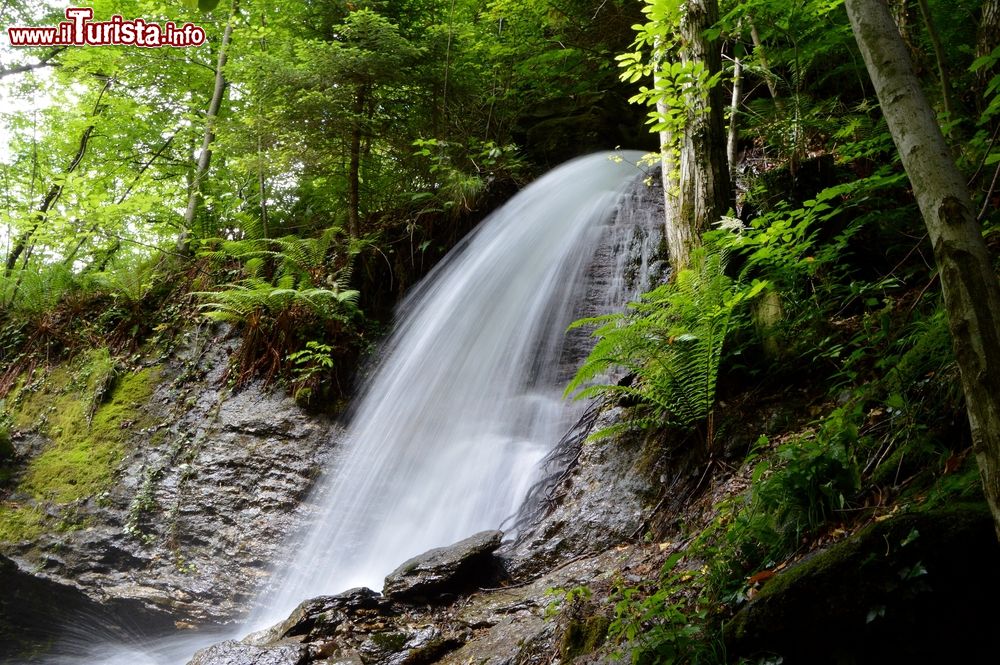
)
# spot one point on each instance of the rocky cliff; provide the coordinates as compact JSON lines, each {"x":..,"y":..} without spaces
{"x":152,"y":482}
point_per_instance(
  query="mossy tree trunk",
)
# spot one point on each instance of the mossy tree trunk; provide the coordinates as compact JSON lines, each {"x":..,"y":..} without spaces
{"x":704,"y":174}
{"x":971,"y":290}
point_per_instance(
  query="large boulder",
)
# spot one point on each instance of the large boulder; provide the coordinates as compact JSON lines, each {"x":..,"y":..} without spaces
{"x":912,"y":589}
{"x":321,"y":617}
{"x":232,"y":652}
{"x":357,"y":627}
{"x":445,"y":571}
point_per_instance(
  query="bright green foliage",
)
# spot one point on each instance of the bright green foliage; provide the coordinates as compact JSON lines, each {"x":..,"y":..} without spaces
{"x":671,"y":340}
{"x":323,"y":105}
{"x":308,"y":366}
{"x":282,"y":274}
{"x":679,"y":84}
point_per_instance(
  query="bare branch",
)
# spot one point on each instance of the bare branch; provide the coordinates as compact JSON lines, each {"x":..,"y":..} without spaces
{"x":46,"y":61}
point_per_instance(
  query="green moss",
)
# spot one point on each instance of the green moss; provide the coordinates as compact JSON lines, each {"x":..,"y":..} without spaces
{"x":86,"y":411}
{"x":964,"y":485}
{"x":19,"y":523}
{"x":390,"y":642}
{"x":82,"y":458}
{"x":583,"y":636}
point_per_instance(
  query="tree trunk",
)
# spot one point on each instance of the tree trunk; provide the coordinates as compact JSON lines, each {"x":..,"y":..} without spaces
{"x":734,"y":107}
{"x":987,"y":37}
{"x":971,"y":290}
{"x":900,"y":10}
{"x":214,"y":104}
{"x":676,"y":236}
{"x":988,"y":34}
{"x":704,"y":176}
{"x":925,"y":13}
{"x":354,"y":169}
{"x":758,"y":47}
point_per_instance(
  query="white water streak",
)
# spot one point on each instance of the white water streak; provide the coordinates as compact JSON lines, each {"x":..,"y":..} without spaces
{"x":467,"y":398}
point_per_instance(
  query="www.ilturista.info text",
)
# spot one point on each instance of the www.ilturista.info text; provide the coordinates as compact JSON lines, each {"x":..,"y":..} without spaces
{"x":80,"y":30}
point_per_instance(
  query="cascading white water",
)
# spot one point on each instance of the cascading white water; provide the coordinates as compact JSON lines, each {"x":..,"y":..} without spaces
{"x":446,"y":437}
{"x":468,"y":396}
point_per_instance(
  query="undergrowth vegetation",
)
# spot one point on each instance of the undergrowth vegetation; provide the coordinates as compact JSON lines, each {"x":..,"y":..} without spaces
{"x":826,"y":309}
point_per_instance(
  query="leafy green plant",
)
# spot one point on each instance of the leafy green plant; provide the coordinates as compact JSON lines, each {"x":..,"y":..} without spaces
{"x":671,"y":340}
{"x":308,"y":365}
{"x":291,"y":284}
{"x":812,"y":478}
{"x":33,"y":293}
{"x":659,"y":625}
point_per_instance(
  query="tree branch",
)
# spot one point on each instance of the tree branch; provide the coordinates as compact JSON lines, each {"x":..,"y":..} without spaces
{"x":46,"y":61}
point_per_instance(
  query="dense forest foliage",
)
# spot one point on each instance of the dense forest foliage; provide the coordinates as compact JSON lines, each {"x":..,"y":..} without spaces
{"x":298,"y":172}
{"x":307,"y":152}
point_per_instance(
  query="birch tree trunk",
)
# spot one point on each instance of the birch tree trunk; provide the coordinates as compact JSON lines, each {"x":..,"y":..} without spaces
{"x":208,"y":138}
{"x":734,"y":108}
{"x":971,"y":290}
{"x":676,"y":237}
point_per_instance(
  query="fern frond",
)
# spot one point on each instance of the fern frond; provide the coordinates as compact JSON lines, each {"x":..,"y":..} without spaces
{"x":671,"y":339}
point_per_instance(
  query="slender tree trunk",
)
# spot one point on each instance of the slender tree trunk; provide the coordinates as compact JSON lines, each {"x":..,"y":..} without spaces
{"x":971,"y":290}
{"x":734,"y":107}
{"x":676,"y":235}
{"x":925,"y":13}
{"x":354,"y":168}
{"x":758,"y":47}
{"x":987,"y":36}
{"x":901,"y":15}
{"x":214,"y":104}
{"x":704,"y":176}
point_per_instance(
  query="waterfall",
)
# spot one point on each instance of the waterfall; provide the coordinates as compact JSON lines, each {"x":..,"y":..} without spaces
{"x":448,"y":431}
{"x":468,"y":397}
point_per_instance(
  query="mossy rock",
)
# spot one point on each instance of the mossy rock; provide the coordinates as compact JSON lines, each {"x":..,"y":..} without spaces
{"x":583,"y":636}
{"x":906,"y":590}
{"x":86,"y":412}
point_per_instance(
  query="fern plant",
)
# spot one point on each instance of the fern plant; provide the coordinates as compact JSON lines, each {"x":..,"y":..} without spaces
{"x":289,"y":285}
{"x":238,"y":302}
{"x":671,"y":341}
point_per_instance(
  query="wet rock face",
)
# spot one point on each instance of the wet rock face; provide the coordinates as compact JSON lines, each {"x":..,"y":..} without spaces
{"x":446,"y":571}
{"x":595,"y":496}
{"x":237,"y":653}
{"x":204,"y":499}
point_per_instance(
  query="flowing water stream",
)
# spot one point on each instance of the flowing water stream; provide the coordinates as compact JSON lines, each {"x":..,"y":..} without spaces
{"x":446,"y":435}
